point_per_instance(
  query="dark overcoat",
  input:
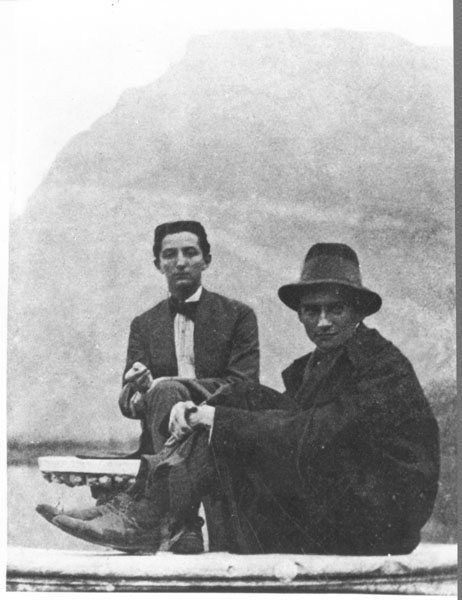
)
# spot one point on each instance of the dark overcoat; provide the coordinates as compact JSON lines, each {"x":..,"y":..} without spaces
{"x":226,"y":346}
{"x":343,"y":463}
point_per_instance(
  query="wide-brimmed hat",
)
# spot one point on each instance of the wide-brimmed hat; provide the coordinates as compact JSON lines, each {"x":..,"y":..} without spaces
{"x":332,"y":264}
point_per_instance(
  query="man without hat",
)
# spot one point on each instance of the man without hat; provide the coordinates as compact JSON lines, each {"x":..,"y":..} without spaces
{"x":345,"y":462}
{"x":183,"y":349}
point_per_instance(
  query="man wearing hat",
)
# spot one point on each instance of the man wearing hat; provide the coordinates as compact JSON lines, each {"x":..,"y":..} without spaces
{"x":345,"y":462}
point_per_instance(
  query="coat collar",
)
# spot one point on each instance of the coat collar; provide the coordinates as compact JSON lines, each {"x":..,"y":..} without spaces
{"x":364,"y":346}
{"x":199,"y":295}
{"x":361,"y":349}
{"x":194,"y":297}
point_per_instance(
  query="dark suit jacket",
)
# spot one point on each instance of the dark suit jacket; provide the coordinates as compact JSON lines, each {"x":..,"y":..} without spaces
{"x":226,"y":347}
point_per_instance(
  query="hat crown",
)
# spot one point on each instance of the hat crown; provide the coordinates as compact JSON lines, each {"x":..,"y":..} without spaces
{"x":331,"y":262}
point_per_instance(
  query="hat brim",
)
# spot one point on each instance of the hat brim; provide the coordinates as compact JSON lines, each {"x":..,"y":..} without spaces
{"x":367,"y":301}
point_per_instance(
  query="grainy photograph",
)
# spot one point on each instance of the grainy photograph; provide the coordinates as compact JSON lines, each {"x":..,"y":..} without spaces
{"x":231,"y":353}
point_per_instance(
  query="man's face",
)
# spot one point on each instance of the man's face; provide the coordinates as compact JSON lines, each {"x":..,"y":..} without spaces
{"x":181,"y":261}
{"x":329,"y":322}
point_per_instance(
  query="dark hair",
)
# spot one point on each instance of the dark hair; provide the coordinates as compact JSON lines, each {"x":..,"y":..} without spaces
{"x":176,"y":227}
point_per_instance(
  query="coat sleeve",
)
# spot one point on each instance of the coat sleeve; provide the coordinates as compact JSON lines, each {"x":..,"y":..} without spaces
{"x":244,"y":357}
{"x":136,"y":350}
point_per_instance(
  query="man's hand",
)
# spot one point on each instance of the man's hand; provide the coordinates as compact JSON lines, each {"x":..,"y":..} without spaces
{"x":138,"y":401}
{"x":186,"y":416}
{"x":140,"y":377}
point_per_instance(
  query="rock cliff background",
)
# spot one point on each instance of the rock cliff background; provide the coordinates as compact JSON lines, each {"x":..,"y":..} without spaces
{"x":275,"y":141}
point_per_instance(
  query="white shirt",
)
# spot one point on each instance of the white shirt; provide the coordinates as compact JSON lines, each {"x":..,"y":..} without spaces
{"x":184,"y":344}
{"x":184,"y":341}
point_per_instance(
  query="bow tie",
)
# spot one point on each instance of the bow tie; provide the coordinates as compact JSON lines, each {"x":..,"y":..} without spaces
{"x":188,"y":309}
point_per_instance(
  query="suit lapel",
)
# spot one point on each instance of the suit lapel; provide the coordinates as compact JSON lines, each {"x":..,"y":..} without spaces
{"x":292,"y":376}
{"x":162,"y":341}
{"x":206,"y":334}
{"x":318,"y":387}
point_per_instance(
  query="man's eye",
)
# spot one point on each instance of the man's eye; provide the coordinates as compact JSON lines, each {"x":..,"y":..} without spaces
{"x":309,"y":312}
{"x":168,"y":255}
{"x":337,"y":309}
{"x":190,"y":252}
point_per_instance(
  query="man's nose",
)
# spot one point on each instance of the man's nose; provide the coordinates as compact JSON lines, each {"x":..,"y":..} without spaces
{"x":181,"y":259}
{"x":324,"y":321}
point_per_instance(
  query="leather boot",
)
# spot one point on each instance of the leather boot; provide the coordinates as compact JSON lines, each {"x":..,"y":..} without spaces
{"x":136,"y":490}
{"x":49,"y":512}
{"x":129,"y":531}
{"x":188,"y":539}
{"x":135,"y":526}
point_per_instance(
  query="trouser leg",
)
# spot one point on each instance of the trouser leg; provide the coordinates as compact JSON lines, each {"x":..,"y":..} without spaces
{"x":159,"y":403}
{"x":192,"y":473}
{"x":187,"y":468}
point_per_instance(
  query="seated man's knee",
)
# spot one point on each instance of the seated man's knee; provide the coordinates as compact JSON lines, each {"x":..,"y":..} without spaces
{"x":171,"y":386}
{"x":169,"y":391}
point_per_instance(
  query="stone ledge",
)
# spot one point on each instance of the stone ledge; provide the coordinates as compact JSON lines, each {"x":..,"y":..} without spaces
{"x":430,"y":569}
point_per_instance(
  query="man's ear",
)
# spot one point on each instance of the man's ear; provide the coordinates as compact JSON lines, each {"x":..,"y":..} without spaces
{"x":359,"y":318}
{"x":156,"y":262}
{"x":358,"y":313}
{"x":207,"y":260}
